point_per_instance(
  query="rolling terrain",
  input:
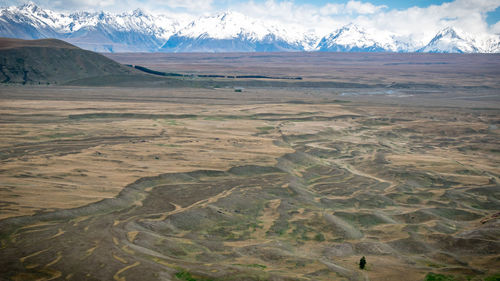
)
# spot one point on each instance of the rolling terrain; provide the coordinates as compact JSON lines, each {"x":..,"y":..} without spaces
{"x":267,"y":184}
{"x":395,"y":158}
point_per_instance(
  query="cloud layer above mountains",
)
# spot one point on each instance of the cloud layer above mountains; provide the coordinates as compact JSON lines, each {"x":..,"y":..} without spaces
{"x":417,"y":23}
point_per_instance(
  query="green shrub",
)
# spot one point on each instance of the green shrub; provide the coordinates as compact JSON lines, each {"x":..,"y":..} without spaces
{"x":438,"y":277}
{"x":186,"y":276}
{"x":319,"y":237}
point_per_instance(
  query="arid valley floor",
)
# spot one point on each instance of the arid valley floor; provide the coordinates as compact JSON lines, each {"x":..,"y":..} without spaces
{"x":271,"y":183}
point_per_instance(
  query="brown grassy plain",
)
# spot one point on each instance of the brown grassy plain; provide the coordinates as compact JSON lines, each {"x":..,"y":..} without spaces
{"x":267,"y":184}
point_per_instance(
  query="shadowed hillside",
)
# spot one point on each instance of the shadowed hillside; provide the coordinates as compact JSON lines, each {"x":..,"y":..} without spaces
{"x":51,"y":61}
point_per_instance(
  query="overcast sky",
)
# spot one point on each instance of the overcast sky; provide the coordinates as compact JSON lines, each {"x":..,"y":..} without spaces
{"x":408,"y":18}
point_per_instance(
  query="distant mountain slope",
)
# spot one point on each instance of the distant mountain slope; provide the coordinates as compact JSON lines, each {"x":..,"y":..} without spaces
{"x":229,"y":31}
{"x":51,"y":61}
{"x":352,"y":38}
{"x":450,"y":40}
{"x":233,"y":32}
{"x":104,"y":32}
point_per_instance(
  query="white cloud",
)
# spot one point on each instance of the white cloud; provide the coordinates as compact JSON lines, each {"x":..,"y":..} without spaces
{"x":417,"y":23}
{"x":363,"y":8}
{"x":194,"y":7}
{"x":422,"y":23}
{"x":78,"y":4}
{"x":332,"y":9}
{"x":351,"y":7}
{"x":496,"y":28}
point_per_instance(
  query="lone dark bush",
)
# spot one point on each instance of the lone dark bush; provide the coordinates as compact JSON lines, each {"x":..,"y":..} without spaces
{"x":362,"y":263}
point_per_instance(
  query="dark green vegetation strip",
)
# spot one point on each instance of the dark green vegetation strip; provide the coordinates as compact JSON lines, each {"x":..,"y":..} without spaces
{"x":160,"y":73}
{"x":150,"y":71}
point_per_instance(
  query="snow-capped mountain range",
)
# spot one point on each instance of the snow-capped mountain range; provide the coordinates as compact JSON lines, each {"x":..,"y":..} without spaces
{"x":138,"y":31}
{"x":234,"y":32}
{"x":352,"y":38}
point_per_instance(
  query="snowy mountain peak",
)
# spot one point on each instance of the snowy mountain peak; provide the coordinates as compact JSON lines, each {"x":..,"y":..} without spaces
{"x":225,"y":25}
{"x":29,"y":7}
{"x":350,"y":32}
{"x":353,"y":38}
{"x":232,"y":31}
{"x":230,"y":16}
{"x":452,"y":40}
{"x":351,"y":27}
{"x":449,"y":32}
{"x":139,"y":13}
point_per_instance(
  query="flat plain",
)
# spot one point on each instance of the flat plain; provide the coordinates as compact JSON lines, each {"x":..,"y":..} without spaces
{"x":270,"y":183}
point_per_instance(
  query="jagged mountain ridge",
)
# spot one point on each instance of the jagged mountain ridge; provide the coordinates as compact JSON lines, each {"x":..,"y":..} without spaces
{"x":450,"y":40}
{"x":352,"y":38}
{"x":104,"y":32}
{"x":232,"y":31}
{"x":229,"y":31}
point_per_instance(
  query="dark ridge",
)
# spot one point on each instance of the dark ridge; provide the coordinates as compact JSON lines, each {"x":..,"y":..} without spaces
{"x":51,"y":61}
{"x":9,"y":43}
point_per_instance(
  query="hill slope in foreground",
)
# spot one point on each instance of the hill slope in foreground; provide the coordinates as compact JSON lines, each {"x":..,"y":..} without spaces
{"x":51,"y":61}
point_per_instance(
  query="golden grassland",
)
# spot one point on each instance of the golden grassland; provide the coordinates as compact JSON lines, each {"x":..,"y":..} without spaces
{"x":270,"y":184}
